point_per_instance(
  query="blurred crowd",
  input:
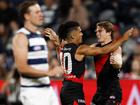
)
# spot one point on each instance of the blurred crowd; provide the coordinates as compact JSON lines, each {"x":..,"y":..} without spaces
{"x":123,"y":13}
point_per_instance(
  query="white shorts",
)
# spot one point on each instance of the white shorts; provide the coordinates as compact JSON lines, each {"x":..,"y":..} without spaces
{"x":38,"y":96}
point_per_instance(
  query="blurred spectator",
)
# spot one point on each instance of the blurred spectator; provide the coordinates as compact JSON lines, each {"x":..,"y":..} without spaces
{"x":116,"y":32}
{"x":79,"y":13}
{"x":64,"y":9}
{"x":2,"y":68}
{"x":6,"y":40}
{"x":127,"y":64}
{"x":8,"y":26}
{"x":2,"y":55}
{"x":10,"y":87}
{"x":8,"y":13}
{"x":135,"y":74}
{"x":50,"y":10}
{"x":108,"y":15}
{"x":131,"y":67}
{"x":130,"y":45}
{"x":134,"y":71}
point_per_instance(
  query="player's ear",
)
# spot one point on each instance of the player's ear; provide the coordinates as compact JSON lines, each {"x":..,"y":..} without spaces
{"x":72,"y":36}
{"x":109,"y":33}
{"x":26,"y":16}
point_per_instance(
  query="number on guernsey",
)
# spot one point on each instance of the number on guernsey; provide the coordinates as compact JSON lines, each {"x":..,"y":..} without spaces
{"x":67,"y":63}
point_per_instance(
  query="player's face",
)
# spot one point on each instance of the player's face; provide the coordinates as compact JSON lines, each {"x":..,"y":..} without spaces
{"x":101,"y":34}
{"x":35,"y":16}
{"x":77,"y":35}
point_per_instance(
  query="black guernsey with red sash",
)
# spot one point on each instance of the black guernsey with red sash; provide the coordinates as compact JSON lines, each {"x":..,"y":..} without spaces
{"x":72,"y":90}
{"x":74,"y":70}
{"x":108,"y":85}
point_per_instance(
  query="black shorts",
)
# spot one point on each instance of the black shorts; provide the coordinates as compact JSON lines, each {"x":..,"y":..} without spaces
{"x":72,"y":93}
{"x":107,"y":98}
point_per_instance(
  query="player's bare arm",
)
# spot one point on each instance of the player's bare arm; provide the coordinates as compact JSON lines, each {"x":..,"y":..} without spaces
{"x":93,"y":45}
{"x":20,"y":49}
{"x":116,"y":58}
{"x":85,"y":50}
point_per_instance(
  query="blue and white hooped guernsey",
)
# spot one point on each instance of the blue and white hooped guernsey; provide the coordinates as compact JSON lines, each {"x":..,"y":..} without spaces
{"x":37,"y":58}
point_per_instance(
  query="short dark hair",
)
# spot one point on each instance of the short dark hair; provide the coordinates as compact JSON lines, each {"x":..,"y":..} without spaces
{"x":107,"y":25}
{"x":64,"y":29}
{"x":24,"y":7}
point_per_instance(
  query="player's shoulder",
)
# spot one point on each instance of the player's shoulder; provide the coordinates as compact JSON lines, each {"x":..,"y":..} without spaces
{"x":118,"y":50}
{"x":19,"y":36}
{"x":83,"y":46}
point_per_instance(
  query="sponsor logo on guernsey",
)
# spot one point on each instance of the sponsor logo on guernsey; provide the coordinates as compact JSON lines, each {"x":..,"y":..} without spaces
{"x":67,"y":49}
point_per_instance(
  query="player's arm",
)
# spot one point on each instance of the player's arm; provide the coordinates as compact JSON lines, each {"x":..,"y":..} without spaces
{"x":52,"y":36}
{"x":48,"y":32}
{"x":93,"y":45}
{"x":87,"y":50}
{"x":116,"y":58}
{"x":20,"y":50}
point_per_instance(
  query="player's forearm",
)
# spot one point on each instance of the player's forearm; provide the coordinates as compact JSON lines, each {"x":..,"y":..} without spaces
{"x":56,"y":43}
{"x":113,"y":46}
{"x":31,"y":72}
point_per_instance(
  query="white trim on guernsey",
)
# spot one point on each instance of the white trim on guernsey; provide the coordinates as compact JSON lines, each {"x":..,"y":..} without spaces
{"x":38,"y":54}
{"x":37,"y":41}
{"x":30,"y":81}
{"x":43,"y":67}
{"x":23,"y":30}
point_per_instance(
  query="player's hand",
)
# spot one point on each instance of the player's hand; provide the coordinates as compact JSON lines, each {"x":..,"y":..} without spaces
{"x":50,"y":33}
{"x":116,"y":60}
{"x":58,"y":70}
{"x":128,"y":34}
{"x":52,"y":36}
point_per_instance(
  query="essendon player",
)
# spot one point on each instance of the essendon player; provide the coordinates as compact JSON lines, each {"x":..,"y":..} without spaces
{"x":108,"y":86}
{"x":73,"y":60}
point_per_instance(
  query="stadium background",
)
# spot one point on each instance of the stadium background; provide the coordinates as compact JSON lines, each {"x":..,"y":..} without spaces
{"x":123,"y":13}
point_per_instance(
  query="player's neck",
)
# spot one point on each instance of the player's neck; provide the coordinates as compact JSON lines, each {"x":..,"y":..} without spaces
{"x":30,"y":27}
{"x":106,"y":41}
{"x":72,"y":41}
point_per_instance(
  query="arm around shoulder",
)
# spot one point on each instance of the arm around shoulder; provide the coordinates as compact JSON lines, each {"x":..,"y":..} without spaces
{"x":89,"y":50}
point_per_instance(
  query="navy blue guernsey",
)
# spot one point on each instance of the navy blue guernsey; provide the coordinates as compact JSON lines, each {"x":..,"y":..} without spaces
{"x":74,"y":69}
{"x":37,"y":57}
